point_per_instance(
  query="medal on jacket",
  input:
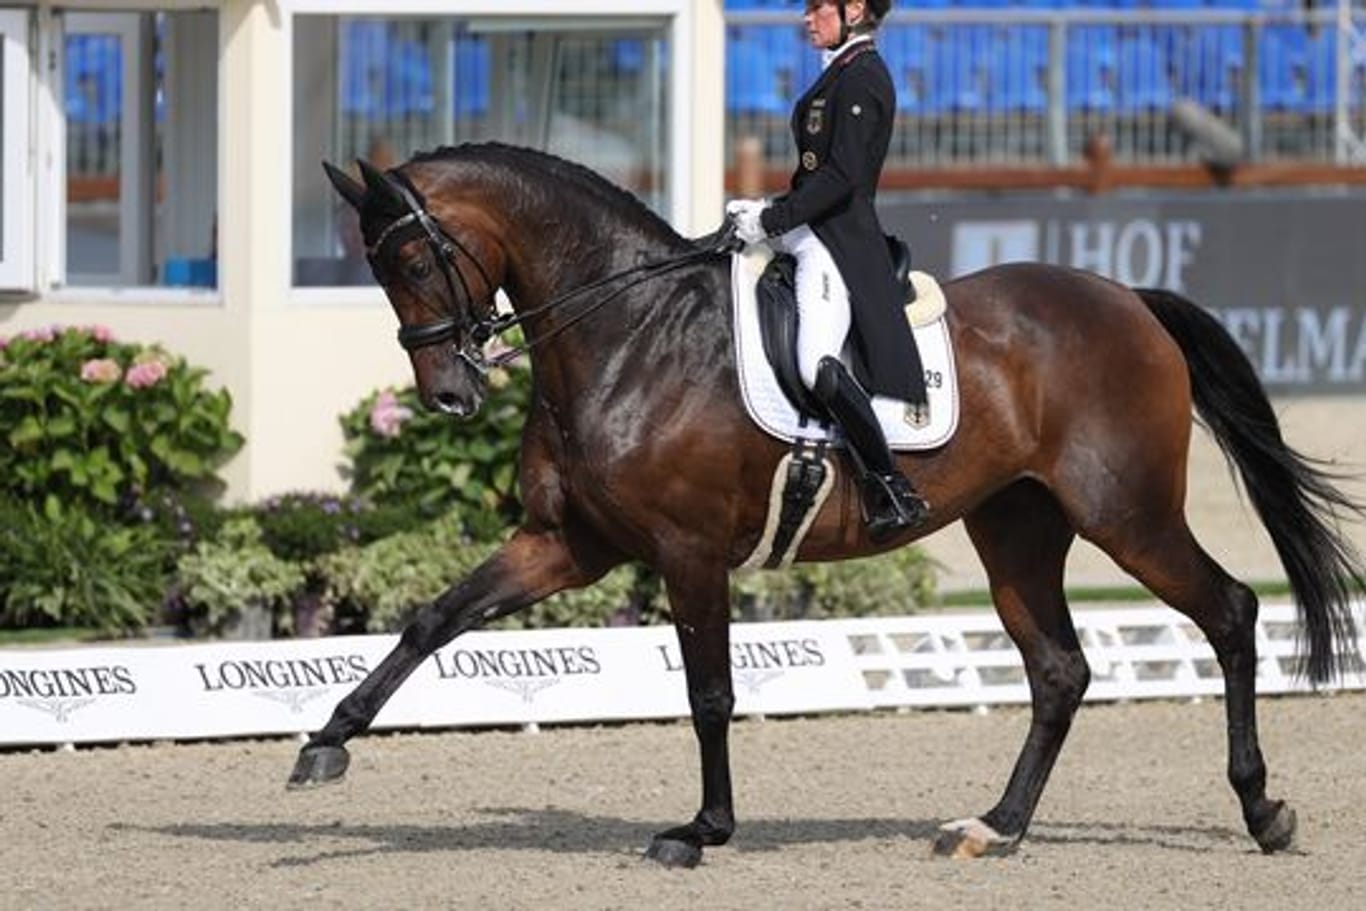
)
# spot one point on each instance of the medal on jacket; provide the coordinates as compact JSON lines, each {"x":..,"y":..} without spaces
{"x":815,"y":118}
{"x":809,"y":160}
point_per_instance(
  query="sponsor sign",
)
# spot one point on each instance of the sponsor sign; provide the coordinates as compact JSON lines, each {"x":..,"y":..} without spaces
{"x":1284,"y":271}
{"x":485,"y":678}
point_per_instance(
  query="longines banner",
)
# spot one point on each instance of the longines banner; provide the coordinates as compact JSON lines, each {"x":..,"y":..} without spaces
{"x":1284,"y":271}
{"x":485,"y":678}
{"x":962,"y":658}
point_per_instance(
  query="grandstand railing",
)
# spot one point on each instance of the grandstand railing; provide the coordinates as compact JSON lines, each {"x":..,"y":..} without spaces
{"x":1034,"y":88}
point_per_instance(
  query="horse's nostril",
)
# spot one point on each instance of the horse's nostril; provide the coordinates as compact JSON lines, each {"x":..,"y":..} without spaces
{"x":449,"y":403}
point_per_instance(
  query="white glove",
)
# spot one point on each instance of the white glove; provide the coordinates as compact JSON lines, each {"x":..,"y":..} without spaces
{"x":745,"y":213}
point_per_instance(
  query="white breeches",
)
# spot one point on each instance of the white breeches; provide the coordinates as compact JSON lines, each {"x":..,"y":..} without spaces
{"x":822,"y":301}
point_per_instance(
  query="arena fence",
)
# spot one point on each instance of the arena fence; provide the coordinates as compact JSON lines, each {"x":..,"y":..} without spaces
{"x":961,"y":659}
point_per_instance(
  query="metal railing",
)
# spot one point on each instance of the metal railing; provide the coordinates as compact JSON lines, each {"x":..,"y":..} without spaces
{"x":1030,"y":87}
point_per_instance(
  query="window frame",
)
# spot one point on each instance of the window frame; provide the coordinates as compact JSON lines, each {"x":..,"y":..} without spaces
{"x":17,"y":269}
{"x":49,"y":139}
{"x":676,"y":16}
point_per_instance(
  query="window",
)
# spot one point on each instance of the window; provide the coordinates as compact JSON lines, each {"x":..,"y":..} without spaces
{"x":140,"y":104}
{"x":593,"y":91}
{"x":16,"y":181}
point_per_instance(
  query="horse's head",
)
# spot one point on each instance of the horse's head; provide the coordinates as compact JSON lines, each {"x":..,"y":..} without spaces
{"x":440,"y":274}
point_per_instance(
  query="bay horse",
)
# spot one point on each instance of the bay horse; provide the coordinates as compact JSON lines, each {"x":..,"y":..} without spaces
{"x":1076,"y":414}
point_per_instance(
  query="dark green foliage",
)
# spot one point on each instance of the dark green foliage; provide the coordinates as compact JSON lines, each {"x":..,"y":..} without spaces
{"x":67,"y":567}
{"x":401,"y":455}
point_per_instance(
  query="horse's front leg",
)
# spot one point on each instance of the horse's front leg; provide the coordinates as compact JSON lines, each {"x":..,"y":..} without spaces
{"x":700,"y":600}
{"x":529,"y":567}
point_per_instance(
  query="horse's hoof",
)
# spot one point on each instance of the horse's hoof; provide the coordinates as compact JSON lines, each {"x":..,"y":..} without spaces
{"x":1279,"y":833}
{"x":674,"y":853}
{"x":969,"y":838}
{"x":318,"y":764}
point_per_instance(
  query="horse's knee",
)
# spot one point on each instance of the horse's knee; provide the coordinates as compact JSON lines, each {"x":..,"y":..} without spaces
{"x":1060,"y":685}
{"x":712,"y":704}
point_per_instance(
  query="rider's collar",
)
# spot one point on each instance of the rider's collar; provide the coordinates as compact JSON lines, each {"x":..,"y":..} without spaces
{"x":831,"y":54}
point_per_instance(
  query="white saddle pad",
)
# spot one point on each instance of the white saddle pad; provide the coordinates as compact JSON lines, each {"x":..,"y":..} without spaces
{"x":770,"y":408}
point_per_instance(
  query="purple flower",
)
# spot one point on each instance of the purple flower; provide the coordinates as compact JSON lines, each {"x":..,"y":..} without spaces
{"x":101,"y":370}
{"x":387,"y":415}
{"x":140,"y":376}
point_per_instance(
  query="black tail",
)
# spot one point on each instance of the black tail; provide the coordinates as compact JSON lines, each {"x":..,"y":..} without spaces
{"x":1295,"y":497}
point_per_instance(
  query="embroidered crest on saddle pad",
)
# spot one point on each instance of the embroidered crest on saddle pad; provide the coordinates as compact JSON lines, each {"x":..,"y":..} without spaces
{"x":906,"y":426}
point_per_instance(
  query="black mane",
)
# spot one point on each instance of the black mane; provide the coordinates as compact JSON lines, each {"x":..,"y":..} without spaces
{"x":560,"y":172}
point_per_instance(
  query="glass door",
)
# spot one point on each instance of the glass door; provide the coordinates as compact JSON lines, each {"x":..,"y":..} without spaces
{"x":109,"y":176}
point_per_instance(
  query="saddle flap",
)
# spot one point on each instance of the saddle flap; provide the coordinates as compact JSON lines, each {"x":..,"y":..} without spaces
{"x":778,"y":325}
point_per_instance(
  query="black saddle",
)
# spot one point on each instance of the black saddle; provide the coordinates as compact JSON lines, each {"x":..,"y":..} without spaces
{"x":777,"y":302}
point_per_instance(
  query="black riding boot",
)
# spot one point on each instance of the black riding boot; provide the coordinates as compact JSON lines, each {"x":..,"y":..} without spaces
{"x":890,"y":503}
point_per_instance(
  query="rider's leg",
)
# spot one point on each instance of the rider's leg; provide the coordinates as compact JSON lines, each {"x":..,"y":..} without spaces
{"x":890,"y":503}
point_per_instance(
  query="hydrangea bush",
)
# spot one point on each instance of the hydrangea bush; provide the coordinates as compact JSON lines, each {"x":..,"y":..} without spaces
{"x":88,"y":420}
{"x":400,"y":454}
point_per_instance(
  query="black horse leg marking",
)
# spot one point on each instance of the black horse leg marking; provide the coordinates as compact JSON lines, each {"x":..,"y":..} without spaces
{"x":700,"y":600}
{"x":1026,"y":572}
{"x":528,"y":568}
{"x":1179,"y":572}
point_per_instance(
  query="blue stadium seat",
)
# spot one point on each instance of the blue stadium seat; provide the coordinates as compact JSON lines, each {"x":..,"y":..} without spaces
{"x":470,"y":72}
{"x":1019,"y":70}
{"x":1092,"y":60}
{"x":752,"y":75}
{"x":93,"y":83}
{"x":1321,"y":88}
{"x":1282,"y":70}
{"x":907,"y":52}
{"x":408,"y":81}
{"x":364,"y":49}
{"x":959,"y":77}
{"x":1213,"y":64}
{"x":1143,"y":74}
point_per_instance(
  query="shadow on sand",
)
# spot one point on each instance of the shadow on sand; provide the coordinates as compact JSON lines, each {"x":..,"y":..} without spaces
{"x":566,"y":831}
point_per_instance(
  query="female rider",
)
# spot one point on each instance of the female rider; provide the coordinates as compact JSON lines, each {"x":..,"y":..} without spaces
{"x":842,"y":126}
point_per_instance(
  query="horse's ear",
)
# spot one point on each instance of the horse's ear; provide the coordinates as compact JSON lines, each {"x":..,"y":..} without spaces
{"x":382,"y":186}
{"x":350,"y":189}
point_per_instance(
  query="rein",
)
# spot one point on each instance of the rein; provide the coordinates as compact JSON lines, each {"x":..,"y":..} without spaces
{"x":445,"y":247}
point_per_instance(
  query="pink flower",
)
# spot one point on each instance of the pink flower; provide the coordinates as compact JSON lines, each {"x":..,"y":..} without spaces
{"x":387,"y":415}
{"x":101,"y":334}
{"x":148,"y":373}
{"x":102,"y":370}
{"x":39,"y":335}
{"x":4,"y":342}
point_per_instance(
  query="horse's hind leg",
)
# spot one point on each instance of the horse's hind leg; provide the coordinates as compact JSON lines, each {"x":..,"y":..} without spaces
{"x":1023,"y":537}
{"x":526,"y":569}
{"x":1170,"y":562}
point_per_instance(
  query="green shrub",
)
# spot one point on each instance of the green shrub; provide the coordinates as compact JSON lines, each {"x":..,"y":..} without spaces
{"x":69,"y":567}
{"x":894,"y":583}
{"x":90,"y":421}
{"x":223,"y":581}
{"x":383,"y":583}
{"x":301,"y":527}
{"x":399,"y":454}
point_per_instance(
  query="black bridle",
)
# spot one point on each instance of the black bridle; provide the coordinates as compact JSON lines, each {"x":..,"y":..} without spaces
{"x":471,"y":335}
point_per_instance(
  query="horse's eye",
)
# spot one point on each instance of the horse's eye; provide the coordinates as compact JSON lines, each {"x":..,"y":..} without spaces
{"x":419,"y":269}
